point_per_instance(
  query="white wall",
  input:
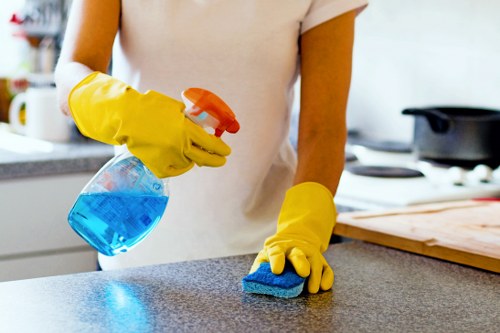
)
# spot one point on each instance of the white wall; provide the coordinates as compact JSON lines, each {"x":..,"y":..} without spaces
{"x":419,"y":53}
{"x":10,"y":48}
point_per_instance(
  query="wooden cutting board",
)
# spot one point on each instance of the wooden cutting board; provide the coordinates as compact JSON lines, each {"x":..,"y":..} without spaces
{"x":465,"y":232}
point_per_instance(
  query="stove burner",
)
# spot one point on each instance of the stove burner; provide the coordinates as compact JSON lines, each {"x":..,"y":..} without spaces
{"x":350,"y":157}
{"x":383,"y":171}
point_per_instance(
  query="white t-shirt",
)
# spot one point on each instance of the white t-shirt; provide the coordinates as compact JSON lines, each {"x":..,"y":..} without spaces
{"x":246,"y":51}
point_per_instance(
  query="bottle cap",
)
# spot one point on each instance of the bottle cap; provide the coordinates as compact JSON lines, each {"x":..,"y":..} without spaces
{"x":201,"y":102}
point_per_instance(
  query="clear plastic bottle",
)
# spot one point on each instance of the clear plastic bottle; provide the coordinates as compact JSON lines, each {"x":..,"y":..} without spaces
{"x":120,"y":205}
{"x":124,"y":201}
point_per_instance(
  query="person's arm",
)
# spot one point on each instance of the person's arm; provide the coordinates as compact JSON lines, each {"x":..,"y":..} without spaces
{"x":308,"y":214}
{"x":326,"y":57}
{"x":87,"y":46}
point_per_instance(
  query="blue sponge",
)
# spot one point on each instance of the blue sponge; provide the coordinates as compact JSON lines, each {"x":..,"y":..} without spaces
{"x":286,"y":285}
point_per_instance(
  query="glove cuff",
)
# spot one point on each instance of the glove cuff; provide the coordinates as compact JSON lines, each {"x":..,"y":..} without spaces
{"x":308,"y":207}
{"x":89,"y":97}
{"x":311,"y":188}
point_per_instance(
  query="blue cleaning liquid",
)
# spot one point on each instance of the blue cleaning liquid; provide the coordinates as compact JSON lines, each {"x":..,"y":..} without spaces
{"x":114,"y":222}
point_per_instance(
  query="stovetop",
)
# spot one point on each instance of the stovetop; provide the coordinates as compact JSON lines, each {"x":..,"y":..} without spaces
{"x":438,"y":183}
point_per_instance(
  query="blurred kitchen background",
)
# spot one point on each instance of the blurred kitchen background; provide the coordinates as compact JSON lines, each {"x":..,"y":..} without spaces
{"x":30,"y":35}
{"x":408,"y":54}
{"x":412,"y":53}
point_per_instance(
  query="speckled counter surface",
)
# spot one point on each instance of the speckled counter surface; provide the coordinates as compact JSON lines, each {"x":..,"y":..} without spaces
{"x":376,"y":290}
{"x":22,"y":157}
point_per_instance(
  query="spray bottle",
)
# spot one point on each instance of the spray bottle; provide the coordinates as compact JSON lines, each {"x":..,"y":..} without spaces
{"x":125,"y":201}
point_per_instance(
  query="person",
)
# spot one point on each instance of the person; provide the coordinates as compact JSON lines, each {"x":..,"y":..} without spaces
{"x":248,"y":192}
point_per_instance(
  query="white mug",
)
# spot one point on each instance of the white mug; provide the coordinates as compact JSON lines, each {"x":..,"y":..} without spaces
{"x":44,"y":120}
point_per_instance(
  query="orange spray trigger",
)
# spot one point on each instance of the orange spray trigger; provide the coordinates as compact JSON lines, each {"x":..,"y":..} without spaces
{"x":209,"y":110}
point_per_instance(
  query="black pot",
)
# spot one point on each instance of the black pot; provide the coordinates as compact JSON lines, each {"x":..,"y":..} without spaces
{"x":457,"y":135}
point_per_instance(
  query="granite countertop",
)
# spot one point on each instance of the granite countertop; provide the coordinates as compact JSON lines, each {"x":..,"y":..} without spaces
{"x":24,"y":157}
{"x":376,"y":290}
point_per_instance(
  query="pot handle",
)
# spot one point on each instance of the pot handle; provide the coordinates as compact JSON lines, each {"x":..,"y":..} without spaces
{"x":438,"y":121}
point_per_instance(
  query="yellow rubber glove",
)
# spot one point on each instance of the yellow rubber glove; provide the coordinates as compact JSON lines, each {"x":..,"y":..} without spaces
{"x":152,"y":125}
{"x":305,"y":225}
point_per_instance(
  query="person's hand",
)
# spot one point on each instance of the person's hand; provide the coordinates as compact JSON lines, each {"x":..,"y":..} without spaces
{"x":152,"y":125}
{"x":305,"y":225}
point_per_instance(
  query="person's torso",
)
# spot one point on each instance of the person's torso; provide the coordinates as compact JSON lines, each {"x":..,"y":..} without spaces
{"x":246,"y":52}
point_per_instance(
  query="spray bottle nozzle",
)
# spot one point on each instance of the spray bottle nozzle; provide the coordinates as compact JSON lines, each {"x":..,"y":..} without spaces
{"x":209,"y":110}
